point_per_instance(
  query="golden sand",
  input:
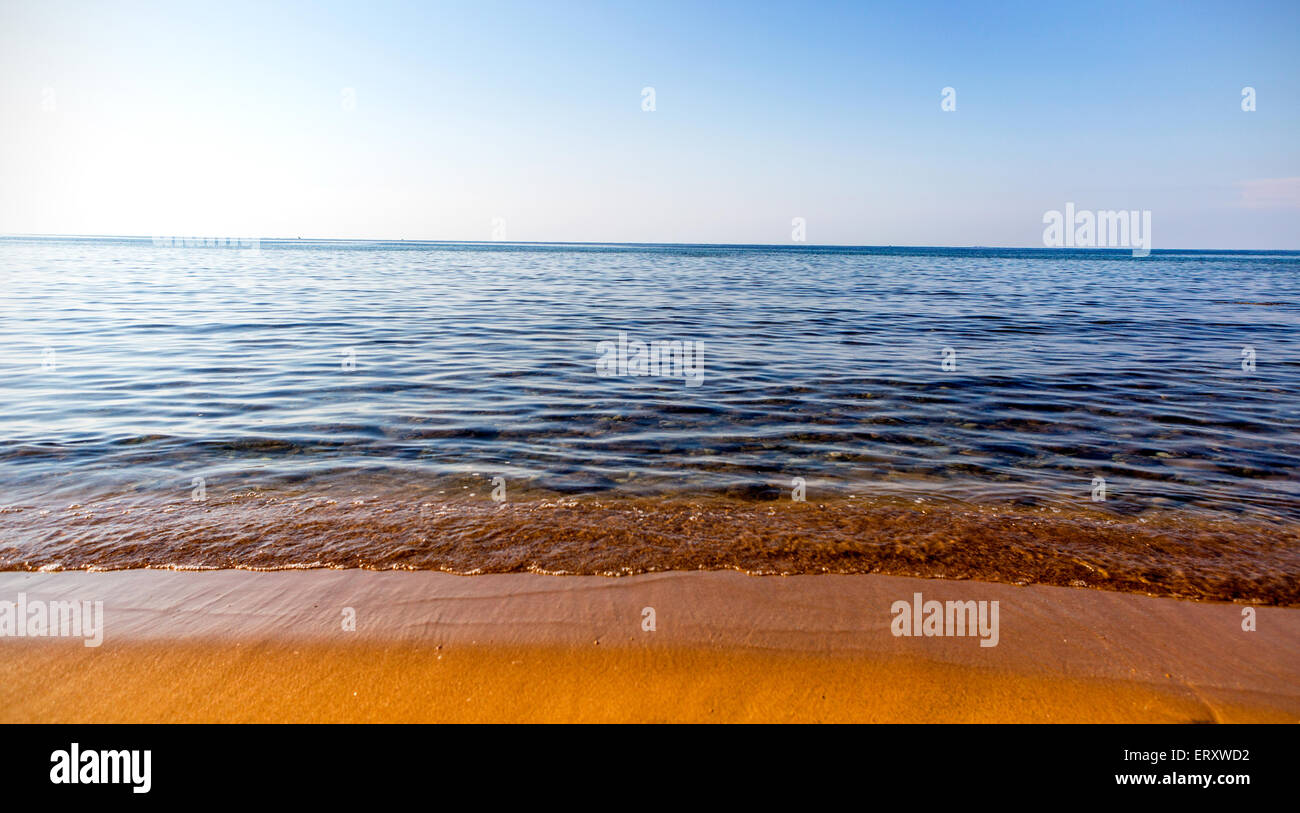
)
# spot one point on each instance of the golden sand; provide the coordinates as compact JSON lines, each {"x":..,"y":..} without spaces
{"x":233,"y":646}
{"x":315,"y":683}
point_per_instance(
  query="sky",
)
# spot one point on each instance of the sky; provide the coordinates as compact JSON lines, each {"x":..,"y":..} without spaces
{"x":526,"y":121}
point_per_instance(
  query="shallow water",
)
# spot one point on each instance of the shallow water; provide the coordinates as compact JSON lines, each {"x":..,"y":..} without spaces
{"x":413,"y":373}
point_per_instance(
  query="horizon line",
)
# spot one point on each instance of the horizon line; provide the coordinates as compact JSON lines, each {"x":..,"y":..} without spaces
{"x":791,"y":245}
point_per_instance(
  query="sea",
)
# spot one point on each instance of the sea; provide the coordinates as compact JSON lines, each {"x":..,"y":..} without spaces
{"x":1084,"y":418}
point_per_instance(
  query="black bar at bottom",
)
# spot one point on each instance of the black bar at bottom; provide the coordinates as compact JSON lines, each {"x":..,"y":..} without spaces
{"x":298,"y":762}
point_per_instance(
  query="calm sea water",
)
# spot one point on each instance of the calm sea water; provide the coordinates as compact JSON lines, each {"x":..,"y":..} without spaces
{"x":333,"y":368}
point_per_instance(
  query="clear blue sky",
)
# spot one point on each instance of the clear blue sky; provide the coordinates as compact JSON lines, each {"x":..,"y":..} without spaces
{"x":231,"y":119}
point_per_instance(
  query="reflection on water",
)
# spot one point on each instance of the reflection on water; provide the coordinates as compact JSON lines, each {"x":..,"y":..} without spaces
{"x":314,"y":368}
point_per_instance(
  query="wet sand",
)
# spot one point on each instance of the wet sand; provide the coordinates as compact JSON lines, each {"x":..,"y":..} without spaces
{"x":1163,"y":551}
{"x":226,"y":646}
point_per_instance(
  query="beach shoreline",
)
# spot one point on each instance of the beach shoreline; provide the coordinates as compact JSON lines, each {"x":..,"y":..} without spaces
{"x":1161,"y":551}
{"x":227,"y":645}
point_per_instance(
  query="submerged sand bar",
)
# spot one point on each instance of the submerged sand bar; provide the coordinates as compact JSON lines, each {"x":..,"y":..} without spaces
{"x":239,"y":645}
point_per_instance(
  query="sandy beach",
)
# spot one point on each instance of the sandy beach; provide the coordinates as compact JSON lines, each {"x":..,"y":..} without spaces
{"x":235,"y":646}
